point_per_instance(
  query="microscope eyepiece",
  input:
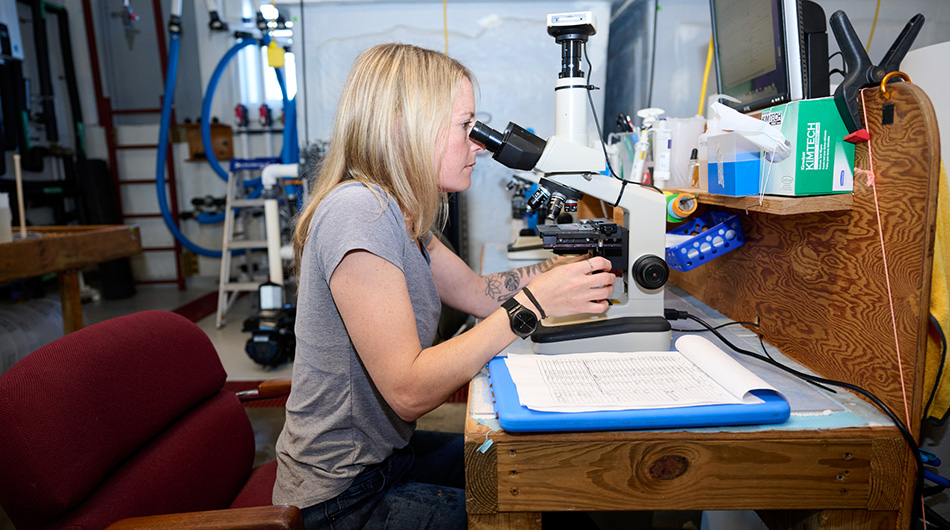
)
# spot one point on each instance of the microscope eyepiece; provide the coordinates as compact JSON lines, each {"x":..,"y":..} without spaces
{"x":486,"y":136}
{"x":517,"y":148}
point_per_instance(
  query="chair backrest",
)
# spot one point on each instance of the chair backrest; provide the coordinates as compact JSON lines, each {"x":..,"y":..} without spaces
{"x":123,"y":418}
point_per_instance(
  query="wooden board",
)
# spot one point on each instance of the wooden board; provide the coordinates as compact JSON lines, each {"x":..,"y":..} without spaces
{"x":66,"y":247}
{"x":64,"y":250}
{"x":776,"y":205}
{"x":816,"y":281}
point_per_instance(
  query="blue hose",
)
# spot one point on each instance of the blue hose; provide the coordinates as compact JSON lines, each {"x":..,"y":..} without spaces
{"x":206,"y":106}
{"x":167,"y":101}
{"x":290,"y":152}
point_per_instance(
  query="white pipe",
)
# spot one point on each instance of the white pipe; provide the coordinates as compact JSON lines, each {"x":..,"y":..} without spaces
{"x":272,"y":172}
{"x":272,"y":229}
{"x":270,"y":176}
{"x":19,"y":194}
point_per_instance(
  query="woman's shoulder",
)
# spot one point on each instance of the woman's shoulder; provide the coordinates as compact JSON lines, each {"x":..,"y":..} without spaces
{"x":358,"y":200}
{"x":358,"y":193}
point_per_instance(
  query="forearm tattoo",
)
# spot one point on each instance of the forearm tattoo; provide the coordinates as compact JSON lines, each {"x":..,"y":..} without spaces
{"x":503,"y":285}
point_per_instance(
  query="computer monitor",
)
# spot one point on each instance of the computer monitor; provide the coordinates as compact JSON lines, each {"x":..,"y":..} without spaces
{"x":769,"y":52}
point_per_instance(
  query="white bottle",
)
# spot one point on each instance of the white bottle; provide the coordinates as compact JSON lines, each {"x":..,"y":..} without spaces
{"x":647,"y":136}
{"x":6,"y":216}
{"x":662,"y":137}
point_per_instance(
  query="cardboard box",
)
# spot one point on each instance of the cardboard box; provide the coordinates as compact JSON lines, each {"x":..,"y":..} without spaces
{"x":734,"y":165}
{"x":821,"y":161}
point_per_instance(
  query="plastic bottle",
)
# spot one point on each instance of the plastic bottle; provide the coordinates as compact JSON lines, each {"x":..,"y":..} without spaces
{"x":692,"y":171}
{"x":685,"y":136}
{"x":662,"y":138}
{"x":639,"y":157}
{"x":649,"y":117}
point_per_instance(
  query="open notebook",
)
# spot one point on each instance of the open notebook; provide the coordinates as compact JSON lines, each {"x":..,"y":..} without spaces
{"x":697,"y":385}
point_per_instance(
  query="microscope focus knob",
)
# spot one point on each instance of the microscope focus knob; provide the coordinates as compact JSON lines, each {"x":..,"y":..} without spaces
{"x":650,"y":272}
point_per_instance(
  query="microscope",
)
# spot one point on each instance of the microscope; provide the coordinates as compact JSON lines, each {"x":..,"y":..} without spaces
{"x":570,"y":167}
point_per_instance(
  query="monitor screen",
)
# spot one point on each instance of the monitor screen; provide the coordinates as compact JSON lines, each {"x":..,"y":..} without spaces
{"x":756,"y":46}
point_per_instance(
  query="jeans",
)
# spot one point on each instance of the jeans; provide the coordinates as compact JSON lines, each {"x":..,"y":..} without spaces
{"x":421,"y":486}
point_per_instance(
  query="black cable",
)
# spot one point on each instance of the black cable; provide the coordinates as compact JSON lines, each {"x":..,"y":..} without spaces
{"x":733,"y":323}
{"x":656,"y":10}
{"x":842,"y":70}
{"x":765,"y":350}
{"x":905,"y":432}
{"x":720,"y":326}
{"x":943,"y":358}
{"x":600,"y":136}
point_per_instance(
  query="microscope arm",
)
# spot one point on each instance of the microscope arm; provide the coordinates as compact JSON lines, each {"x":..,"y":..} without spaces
{"x":647,"y":228}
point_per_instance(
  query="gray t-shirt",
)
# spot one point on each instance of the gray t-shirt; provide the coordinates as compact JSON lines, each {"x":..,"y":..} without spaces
{"x":337,"y":421}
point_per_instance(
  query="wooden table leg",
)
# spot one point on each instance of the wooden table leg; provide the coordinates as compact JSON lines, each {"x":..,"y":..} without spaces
{"x":509,"y":521}
{"x":69,"y":298}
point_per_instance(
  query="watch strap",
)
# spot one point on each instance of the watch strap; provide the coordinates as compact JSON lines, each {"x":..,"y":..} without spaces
{"x":514,"y":309}
{"x":534,"y":301}
{"x":511,"y":305}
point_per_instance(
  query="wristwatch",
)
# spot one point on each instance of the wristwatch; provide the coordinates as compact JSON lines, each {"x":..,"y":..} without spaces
{"x":523,"y":320}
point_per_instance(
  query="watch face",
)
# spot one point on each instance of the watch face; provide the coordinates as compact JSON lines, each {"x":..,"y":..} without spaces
{"x":524,"y":322}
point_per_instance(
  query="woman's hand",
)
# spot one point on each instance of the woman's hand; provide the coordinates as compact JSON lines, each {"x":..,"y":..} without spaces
{"x":582,"y":286}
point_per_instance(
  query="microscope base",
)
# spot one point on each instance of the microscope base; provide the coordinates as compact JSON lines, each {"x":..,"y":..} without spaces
{"x":625,"y":334}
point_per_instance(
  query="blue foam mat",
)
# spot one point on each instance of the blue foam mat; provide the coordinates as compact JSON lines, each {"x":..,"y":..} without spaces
{"x":513,"y":417}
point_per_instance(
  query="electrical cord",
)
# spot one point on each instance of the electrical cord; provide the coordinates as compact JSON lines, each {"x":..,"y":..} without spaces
{"x":720,"y":326}
{"x":765,"y":351}
{"x":674,"y":314}
{"x":600,"y":137}
{"x":837,"y":70}
{"x":943,"y":358}
{"x":734,"y":323}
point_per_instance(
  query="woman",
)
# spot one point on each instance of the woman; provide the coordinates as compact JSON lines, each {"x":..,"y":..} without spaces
{"x":371,"y":278}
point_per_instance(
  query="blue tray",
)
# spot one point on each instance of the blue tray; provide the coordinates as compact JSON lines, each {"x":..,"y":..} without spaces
{"x":515,"y":418}
{"x":714,"y":234}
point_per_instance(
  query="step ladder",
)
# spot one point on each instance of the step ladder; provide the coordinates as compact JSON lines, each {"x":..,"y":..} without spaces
{"x":228,"y":291}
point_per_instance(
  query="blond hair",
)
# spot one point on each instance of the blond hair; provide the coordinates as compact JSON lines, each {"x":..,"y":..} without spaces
{"x":392,"y":117}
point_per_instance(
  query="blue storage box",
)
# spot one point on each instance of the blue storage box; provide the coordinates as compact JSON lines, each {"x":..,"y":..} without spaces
{"x":734,"y":165}
{"x":710,"y":236}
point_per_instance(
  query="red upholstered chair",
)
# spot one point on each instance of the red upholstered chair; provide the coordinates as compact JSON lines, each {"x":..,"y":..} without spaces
{"x":127,"y":418}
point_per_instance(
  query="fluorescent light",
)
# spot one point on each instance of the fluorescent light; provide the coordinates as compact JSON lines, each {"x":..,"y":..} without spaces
{"x":269,"y":11}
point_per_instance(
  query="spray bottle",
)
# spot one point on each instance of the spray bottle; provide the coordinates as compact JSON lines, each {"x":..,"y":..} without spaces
{"x":649,"y":117}
{"x":712,"y":129}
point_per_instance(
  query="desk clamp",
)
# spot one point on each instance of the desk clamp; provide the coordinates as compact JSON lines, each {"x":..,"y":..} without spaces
{"x":861,"y":73}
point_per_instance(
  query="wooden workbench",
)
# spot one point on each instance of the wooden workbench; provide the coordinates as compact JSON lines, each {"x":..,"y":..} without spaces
{"x":815,"y":280}
{"x":65,"y":250}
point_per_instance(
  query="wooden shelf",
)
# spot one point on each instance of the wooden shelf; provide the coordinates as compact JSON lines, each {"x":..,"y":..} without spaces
{"x":776,"y":205}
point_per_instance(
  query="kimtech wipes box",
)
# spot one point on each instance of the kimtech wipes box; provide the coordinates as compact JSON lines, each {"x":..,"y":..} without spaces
{"x":821,"y":161}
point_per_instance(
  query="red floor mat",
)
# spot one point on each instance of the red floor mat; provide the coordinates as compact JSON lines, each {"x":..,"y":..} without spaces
{"x":199,"y":308}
